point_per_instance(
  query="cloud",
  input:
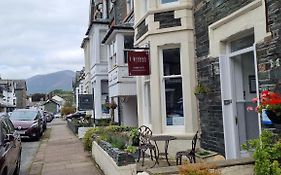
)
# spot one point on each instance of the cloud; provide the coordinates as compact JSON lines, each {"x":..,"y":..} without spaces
{"x":38,"y":36}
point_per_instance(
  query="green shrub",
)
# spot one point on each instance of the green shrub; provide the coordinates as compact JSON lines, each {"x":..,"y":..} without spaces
{"x":88,"y":137}
{"x":134,"y":137}
{"x":103,"y":122}
{"x":65,"y":110}
{"x":117,"y":142}
{"x":117,"y":136}
{"x":131,"y":149}
{"x":267,"y":153}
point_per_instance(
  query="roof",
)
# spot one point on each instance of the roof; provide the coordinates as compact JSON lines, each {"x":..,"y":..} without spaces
{"x":119,"y":27}
{"x":106,"y":22}
{"x":52,"y":100}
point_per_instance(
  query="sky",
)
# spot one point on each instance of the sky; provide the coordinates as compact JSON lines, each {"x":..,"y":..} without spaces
{"x":41,"y":36}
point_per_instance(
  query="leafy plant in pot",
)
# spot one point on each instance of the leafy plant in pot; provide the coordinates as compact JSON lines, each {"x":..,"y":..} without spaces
{"x":200,"y":91}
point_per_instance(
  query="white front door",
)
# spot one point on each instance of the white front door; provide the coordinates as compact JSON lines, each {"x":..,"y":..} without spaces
{"x":238,"y":87}
{"x":228,"y":108}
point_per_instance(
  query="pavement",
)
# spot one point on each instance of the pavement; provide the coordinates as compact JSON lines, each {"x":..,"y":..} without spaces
{"x":29,"y":150}
{"x":63,"y":154}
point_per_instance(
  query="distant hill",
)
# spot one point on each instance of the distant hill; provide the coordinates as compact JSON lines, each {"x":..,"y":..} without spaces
{"x":48,"y":82}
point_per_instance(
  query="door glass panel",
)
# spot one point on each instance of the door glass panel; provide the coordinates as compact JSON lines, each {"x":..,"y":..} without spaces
{"x":174,"y":103}
{"x":242,"y":43}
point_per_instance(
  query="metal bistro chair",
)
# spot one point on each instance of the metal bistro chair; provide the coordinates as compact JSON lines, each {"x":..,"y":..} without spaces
{"x":145,"y":134}
{"x":190,"y":154}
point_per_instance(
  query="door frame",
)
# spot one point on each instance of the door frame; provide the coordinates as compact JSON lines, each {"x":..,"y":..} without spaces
{"x":229,"y":110}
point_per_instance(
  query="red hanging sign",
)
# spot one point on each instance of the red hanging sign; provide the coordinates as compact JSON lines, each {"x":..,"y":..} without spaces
{"x":138,"y":62}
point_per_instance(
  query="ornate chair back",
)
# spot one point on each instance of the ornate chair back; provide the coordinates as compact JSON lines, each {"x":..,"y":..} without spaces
{"x":145,"y":134}
{"x":193,"y":142}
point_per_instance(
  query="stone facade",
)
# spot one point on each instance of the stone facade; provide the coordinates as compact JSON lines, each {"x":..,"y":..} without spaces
{"x":207,"y":12}
{"x":142,"y":28}
{"x":269,"y":51}
{"x":167,"y":19}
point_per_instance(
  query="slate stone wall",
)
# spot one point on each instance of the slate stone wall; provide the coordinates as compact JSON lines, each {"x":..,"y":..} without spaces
{"x":269,"y":51}
{"x":167,"y":19}
{"x":142,"y":28}
{"x":119,"y":12}
{"x":207,"y":12}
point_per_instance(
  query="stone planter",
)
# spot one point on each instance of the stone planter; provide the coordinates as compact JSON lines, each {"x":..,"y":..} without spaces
{"x":111,"y":160}
{"x":82,"y":131}
{"x":72,"y":127}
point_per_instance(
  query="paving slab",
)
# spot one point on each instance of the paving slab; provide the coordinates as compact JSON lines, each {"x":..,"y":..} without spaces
{"x":63,"y":154}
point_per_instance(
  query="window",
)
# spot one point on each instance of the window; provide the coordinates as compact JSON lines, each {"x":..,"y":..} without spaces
{"x":128,"y":44}
{"x":9,"y":126}
{"x":242,"y":43}
{"x":168,"y":1}
{"x":130,"y":6}
{"x":147,"y":102}
{"x":172,"y":83}
{"x":104,"y":96}
{"x":144,"y":7}
{"x":103,"y":55}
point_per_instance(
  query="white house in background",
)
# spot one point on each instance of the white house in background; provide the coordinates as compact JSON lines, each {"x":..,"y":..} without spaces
{"x":119,"y":39}
{"x":77,"y":85}
{"x":9,"y":96}
{"x":59,"y":99}
{"x":96,"y":71}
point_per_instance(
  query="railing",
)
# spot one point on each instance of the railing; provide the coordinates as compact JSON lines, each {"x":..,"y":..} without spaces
{"x":119,"y":74}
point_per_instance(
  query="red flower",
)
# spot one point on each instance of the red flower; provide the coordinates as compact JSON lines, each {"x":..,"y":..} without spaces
{"x":268,"y":100}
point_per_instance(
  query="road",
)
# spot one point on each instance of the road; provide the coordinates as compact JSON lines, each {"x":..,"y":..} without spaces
{"x":29,"y":149}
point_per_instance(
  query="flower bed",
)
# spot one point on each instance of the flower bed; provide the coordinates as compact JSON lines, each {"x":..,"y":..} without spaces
{"x":121,"y":158}
{"x":111,"y":147}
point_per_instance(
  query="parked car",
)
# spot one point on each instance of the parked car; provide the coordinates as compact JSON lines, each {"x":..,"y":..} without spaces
{"x":28,"y":122}
{"x":44,"y":118}
{"x":10,"y":147}
{"x":57,"y":115}
{"x":76,"y":115}
{"x":49,"y":116}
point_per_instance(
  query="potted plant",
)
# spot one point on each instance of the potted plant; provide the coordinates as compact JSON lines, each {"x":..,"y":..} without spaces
{"x":200,"y":91}
{"x":111,"y":106}
{"x":270,"y":102}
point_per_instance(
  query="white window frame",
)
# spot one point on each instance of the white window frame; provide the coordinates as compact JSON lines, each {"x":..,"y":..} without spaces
{"x":144,"y":7}
{"x":130,"y":6}
{"x":168,"y":3}
{"x":169,"y":128}
{"x":147,"y":101}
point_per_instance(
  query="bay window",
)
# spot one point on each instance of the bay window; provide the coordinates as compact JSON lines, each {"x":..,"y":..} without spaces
{"x":172,"y":87}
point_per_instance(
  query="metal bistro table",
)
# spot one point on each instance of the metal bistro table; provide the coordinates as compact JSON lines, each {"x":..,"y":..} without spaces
{"x":166,"y":139}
